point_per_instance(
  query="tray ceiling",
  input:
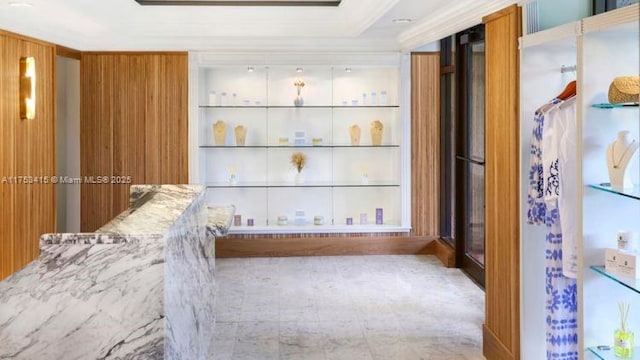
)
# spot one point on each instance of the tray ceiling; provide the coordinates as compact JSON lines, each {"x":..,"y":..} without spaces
{"x":239,"y":2}
{"x":353,"y":25}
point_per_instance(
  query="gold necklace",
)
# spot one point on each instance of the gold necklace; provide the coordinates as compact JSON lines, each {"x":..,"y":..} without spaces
{"x":613,"y":156}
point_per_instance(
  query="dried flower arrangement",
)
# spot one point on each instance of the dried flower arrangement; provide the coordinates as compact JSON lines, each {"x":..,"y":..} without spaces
{"x":299,"y":83}
{"x":298,"y":160}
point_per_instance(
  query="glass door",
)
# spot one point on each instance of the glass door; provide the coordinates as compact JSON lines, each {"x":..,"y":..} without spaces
{"x":470,"y":161}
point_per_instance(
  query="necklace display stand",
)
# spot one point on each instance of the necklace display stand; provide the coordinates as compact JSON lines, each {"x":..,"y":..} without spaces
{"x":619,"y":154}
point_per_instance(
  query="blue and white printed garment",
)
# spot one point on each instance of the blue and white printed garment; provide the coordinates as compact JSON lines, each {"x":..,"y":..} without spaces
{"x":543,"y":195}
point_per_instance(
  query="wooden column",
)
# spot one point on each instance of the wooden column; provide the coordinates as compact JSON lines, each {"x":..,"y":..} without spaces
{"x":27,"y":149}
{"x":133,"y":124}
{"x":501,"y":332}
{"x":425,"y":152}
{"x":425,"y":144}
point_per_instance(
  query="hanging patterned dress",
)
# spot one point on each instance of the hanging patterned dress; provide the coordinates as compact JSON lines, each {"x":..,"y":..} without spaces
{"x":544,"y":188}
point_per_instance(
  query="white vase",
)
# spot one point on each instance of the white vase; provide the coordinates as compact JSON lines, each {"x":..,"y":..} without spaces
{"x":298,"y":101}
{"x":299,"y":178}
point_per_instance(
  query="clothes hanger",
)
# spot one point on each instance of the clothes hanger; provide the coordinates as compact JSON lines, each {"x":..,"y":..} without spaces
{"x":568,"y":92}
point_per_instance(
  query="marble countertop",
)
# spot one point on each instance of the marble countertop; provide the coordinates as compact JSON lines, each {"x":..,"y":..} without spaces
{"x":152,"y":209}
{"x":220,"y":218}
{"x":137,"y":288}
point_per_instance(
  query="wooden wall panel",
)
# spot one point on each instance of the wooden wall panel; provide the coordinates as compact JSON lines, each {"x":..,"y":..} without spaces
{"x":96,"y":147}
{"x":10,"y":55}
{"x":425,"y":144}
{"x":27,"y":149}
{"x":134,"y":123}
{"x":166,"y":126}
{"x":502,"y":325}
{"x":35,"y":156}
{"x":128,"y":132}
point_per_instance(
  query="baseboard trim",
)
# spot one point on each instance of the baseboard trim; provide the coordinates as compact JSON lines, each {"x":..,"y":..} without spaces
{"x":445,"y":253}
{"x":493,"y":348}
{"x":235,"y":247}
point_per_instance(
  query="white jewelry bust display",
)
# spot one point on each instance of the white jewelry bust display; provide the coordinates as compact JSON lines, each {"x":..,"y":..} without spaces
{"x":619,"y":154}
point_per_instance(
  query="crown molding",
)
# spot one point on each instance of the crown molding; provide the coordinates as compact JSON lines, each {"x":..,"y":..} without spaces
{"x":367,"y":12}
{"x":455,"y":19}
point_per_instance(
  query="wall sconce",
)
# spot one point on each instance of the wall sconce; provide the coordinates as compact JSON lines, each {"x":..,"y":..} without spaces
{"x":27,"y":88}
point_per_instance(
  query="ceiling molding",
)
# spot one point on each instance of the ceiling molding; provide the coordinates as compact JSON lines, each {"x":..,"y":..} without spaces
{"x":367,"y":13}
{"x":449,"y":22}
{"x":253,"y":45}
{"x":239,"y":2}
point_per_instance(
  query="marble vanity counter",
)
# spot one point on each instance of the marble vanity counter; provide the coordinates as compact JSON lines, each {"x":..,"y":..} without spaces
{"x":220,"y":218}
{"x":141,"y":287}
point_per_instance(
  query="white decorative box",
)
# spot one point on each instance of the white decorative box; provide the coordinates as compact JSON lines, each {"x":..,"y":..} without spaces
{"x":611,"y":260}
{"x":628,"y":265}
{"x":300,"y":218}
{"x":299,"y":138}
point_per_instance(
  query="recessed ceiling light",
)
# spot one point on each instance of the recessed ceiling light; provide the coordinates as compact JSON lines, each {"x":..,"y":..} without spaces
{"x":298,"y":69}
{"x":401,"y":21}
{"x":20,"y":4}
{"x":347,"y":70}
{"x":250,"y":69}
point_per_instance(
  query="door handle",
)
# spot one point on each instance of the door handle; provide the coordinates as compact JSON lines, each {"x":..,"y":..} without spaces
{"x":464,"y":158}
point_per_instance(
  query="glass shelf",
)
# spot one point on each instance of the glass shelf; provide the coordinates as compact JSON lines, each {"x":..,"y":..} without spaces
{"x":631,"y":283}
{"x":295,"y":146}
{"x":297,"y":107}
{"x":307,"y":184}
{"x":609,"y":355}
{"x":613,"y":106}
{"x":633,"y":193}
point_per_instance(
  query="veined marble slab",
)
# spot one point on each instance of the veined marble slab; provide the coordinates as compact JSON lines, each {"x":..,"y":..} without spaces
{"x":220,"y":218}
{"x":143,"y":288}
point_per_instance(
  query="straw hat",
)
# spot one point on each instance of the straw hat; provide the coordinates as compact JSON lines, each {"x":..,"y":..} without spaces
{"x":624,"y":89}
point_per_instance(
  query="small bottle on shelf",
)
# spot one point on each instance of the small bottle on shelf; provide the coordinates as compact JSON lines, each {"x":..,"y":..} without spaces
{"x":383,"y":97}
{"x":212,"y":98}
{"x":374,"y":99}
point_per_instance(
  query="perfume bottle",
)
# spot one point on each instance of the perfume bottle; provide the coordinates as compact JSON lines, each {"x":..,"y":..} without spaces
{"x":623,"y":344}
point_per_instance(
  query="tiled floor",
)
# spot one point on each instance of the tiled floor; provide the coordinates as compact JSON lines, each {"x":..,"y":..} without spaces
{"x":352,"y":307}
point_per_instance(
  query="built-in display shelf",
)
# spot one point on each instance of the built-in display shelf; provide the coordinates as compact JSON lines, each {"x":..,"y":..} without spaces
{"x":631,"y":283}
{"x":295,"y":146}
{"x":365,"y":106}
{"x":633,"y":192}
{"x":297,"y":107}
{"x":614,"y":106}
{"x":609,"y":355}
{"x":314,"y":184}
{"x":310,"y":228}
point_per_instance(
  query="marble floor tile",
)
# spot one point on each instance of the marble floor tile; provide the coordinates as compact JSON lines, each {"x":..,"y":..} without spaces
{"x":256,"y":349}
{"x":346,"y":307}
{"x":223,"y":349}
{"x":301,"y":340}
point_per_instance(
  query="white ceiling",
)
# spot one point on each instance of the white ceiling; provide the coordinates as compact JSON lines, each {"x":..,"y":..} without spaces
{"x":355,"y":25}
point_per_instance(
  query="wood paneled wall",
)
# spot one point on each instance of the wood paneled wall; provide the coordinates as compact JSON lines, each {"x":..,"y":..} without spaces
{"x":425,"y":144}
{"x":133,"y":123}
{"x":502,"y":325}
{"x":27,"y":148}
